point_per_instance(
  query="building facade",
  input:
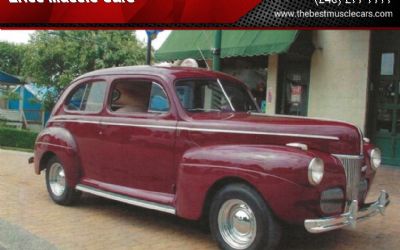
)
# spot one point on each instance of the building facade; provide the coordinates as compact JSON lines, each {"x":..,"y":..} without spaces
{"x":347,"y":75}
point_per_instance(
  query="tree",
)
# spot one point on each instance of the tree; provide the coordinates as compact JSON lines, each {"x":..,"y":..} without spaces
{"x":12,"y":57}
{"x":11,"y":61}
{"x":55,"y":58}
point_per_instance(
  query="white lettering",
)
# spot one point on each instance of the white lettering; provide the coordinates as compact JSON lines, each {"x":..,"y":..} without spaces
{"x":71,"y":1}
{"x":26,"y":1}
{"x":119,"y":1}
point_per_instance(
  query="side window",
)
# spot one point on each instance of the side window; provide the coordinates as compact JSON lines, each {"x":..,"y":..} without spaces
{"x":133,"y":96}
{"x":158,"y":99}
{"x":88,"y":97}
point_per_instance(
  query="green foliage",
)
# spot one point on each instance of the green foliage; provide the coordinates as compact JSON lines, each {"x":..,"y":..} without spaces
{"x":17,"y":138}
{"x":55,"y":58}
{"x":12,"y":57}
{"x":10,"y":95}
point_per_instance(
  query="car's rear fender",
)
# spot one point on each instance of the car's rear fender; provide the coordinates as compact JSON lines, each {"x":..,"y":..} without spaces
{"x":59,"y":142}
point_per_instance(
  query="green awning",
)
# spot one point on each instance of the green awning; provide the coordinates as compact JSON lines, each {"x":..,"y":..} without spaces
{"x":184,"y":44}
{"x":8,"y":79}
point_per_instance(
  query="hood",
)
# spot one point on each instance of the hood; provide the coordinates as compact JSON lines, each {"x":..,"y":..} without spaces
{"x":333,"y":137}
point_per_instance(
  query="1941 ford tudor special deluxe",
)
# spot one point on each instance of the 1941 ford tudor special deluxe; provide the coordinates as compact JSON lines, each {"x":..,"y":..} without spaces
{"x":192,"y":142}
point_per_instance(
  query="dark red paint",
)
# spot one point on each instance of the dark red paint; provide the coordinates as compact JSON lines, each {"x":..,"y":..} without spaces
{"x":181,"y":167}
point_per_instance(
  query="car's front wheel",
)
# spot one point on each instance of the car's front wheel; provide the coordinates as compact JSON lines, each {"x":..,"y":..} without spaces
{"x":240,"y":219}
{"x":57,"y":186}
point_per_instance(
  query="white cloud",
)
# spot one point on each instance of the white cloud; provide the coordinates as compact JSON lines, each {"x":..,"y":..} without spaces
{"x":15,"y":36}
{"x":22,"y":36}
{"x":156,"y":43}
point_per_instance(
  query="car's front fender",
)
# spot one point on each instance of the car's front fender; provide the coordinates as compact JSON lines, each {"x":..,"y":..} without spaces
{"x":278,"y":173}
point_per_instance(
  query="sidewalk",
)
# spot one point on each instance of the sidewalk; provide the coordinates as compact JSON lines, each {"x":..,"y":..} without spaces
{"x":32,"y":220}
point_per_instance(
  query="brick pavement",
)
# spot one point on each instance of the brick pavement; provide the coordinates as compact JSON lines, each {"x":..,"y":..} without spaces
{"x":30,"y":220}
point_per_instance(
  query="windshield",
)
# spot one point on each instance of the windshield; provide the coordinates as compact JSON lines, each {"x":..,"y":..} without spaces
{"x":214,"y":96}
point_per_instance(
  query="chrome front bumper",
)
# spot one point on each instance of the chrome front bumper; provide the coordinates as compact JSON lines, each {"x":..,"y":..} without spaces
{"x":351,"y":217}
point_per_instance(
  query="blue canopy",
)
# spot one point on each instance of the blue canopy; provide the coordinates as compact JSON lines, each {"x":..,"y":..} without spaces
{"x":8,"y":79}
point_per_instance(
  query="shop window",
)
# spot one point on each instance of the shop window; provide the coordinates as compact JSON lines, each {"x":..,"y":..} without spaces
{"x":387,"y":64}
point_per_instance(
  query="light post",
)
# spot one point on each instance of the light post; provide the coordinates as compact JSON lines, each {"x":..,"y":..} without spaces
{"x":217,"y":50}
{"x":151,"y":34}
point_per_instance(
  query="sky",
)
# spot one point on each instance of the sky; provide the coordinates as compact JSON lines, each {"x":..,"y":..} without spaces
{"x":22,"y":36}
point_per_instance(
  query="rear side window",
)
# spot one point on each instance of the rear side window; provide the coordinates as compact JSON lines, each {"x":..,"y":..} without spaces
{"x":88,"y":97}
{"x":133,"y":96}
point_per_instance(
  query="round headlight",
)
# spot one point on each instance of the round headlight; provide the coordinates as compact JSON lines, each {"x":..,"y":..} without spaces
{"x":376,"y":158}
{"x":315,"y":171}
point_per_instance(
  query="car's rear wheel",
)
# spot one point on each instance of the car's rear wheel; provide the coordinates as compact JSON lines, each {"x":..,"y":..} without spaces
{"x":240,"y":219}
{"x":57,"y":186}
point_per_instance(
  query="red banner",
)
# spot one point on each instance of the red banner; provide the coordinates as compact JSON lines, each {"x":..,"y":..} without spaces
{"x":123,"y":11}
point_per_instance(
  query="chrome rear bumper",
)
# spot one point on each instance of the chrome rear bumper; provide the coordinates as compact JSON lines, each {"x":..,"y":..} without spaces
{"x":351,"y":217}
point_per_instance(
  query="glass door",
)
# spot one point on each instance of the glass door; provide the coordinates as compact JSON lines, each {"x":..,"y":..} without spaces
{"x":386,"y":101}
{"x":293,"y":82}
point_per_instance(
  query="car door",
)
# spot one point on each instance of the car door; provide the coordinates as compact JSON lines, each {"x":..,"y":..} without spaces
{"x":82,"y":117}
{"x":140,"y":129}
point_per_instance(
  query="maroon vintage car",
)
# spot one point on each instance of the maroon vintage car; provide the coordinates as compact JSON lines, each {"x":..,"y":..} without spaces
{"x":192,"y":142}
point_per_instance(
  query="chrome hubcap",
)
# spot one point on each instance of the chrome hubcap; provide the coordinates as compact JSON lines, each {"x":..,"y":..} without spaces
{"x":237,"y":224}
{"x":57,"y":179}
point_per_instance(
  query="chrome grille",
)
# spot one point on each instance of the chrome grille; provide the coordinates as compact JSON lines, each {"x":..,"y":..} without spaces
{"x":352,"y":166}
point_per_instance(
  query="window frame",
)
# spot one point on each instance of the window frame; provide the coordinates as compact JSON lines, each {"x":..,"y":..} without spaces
{"x":79,"y":85}
{"x":136,"y":114}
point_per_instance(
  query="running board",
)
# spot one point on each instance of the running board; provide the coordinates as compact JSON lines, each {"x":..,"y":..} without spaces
{"x":126,"y":199}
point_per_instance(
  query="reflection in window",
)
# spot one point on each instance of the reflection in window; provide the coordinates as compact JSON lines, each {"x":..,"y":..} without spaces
{"x":239,"y":97}
{"x":386,"y":92}
{"x":88,"y":97}
{"x":387,"y":64}
{"x":158,"y":99}
{"x":384,"y":121}
{"x":203,"y":95}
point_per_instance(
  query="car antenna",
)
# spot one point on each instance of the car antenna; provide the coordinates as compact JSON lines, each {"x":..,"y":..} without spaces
{"x":204,"y":59}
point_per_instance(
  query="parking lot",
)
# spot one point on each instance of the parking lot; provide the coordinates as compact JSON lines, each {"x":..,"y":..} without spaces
{"x":30,"y":220}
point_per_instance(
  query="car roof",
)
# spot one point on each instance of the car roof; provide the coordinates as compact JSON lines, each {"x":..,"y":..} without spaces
{"x":169,"y":72}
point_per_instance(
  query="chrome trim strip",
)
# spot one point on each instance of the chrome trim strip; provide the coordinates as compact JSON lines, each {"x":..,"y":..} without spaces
{"x":204,"y":129}
{"x":350,"y":218}
{"x":114,"y":123}
{"x":51,"y":144}
{"x":304,"y":117}
{"x":350,"y":157}
{"x":72,"y":120}
{"x":361,"y":140}
{"x":137,"y":125}
{"x":301,"y":146}
{"x":257,"y":133}
{"x":126,"y":199}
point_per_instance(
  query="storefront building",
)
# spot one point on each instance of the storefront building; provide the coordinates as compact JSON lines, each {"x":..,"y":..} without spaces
{"x":353,"y":76}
